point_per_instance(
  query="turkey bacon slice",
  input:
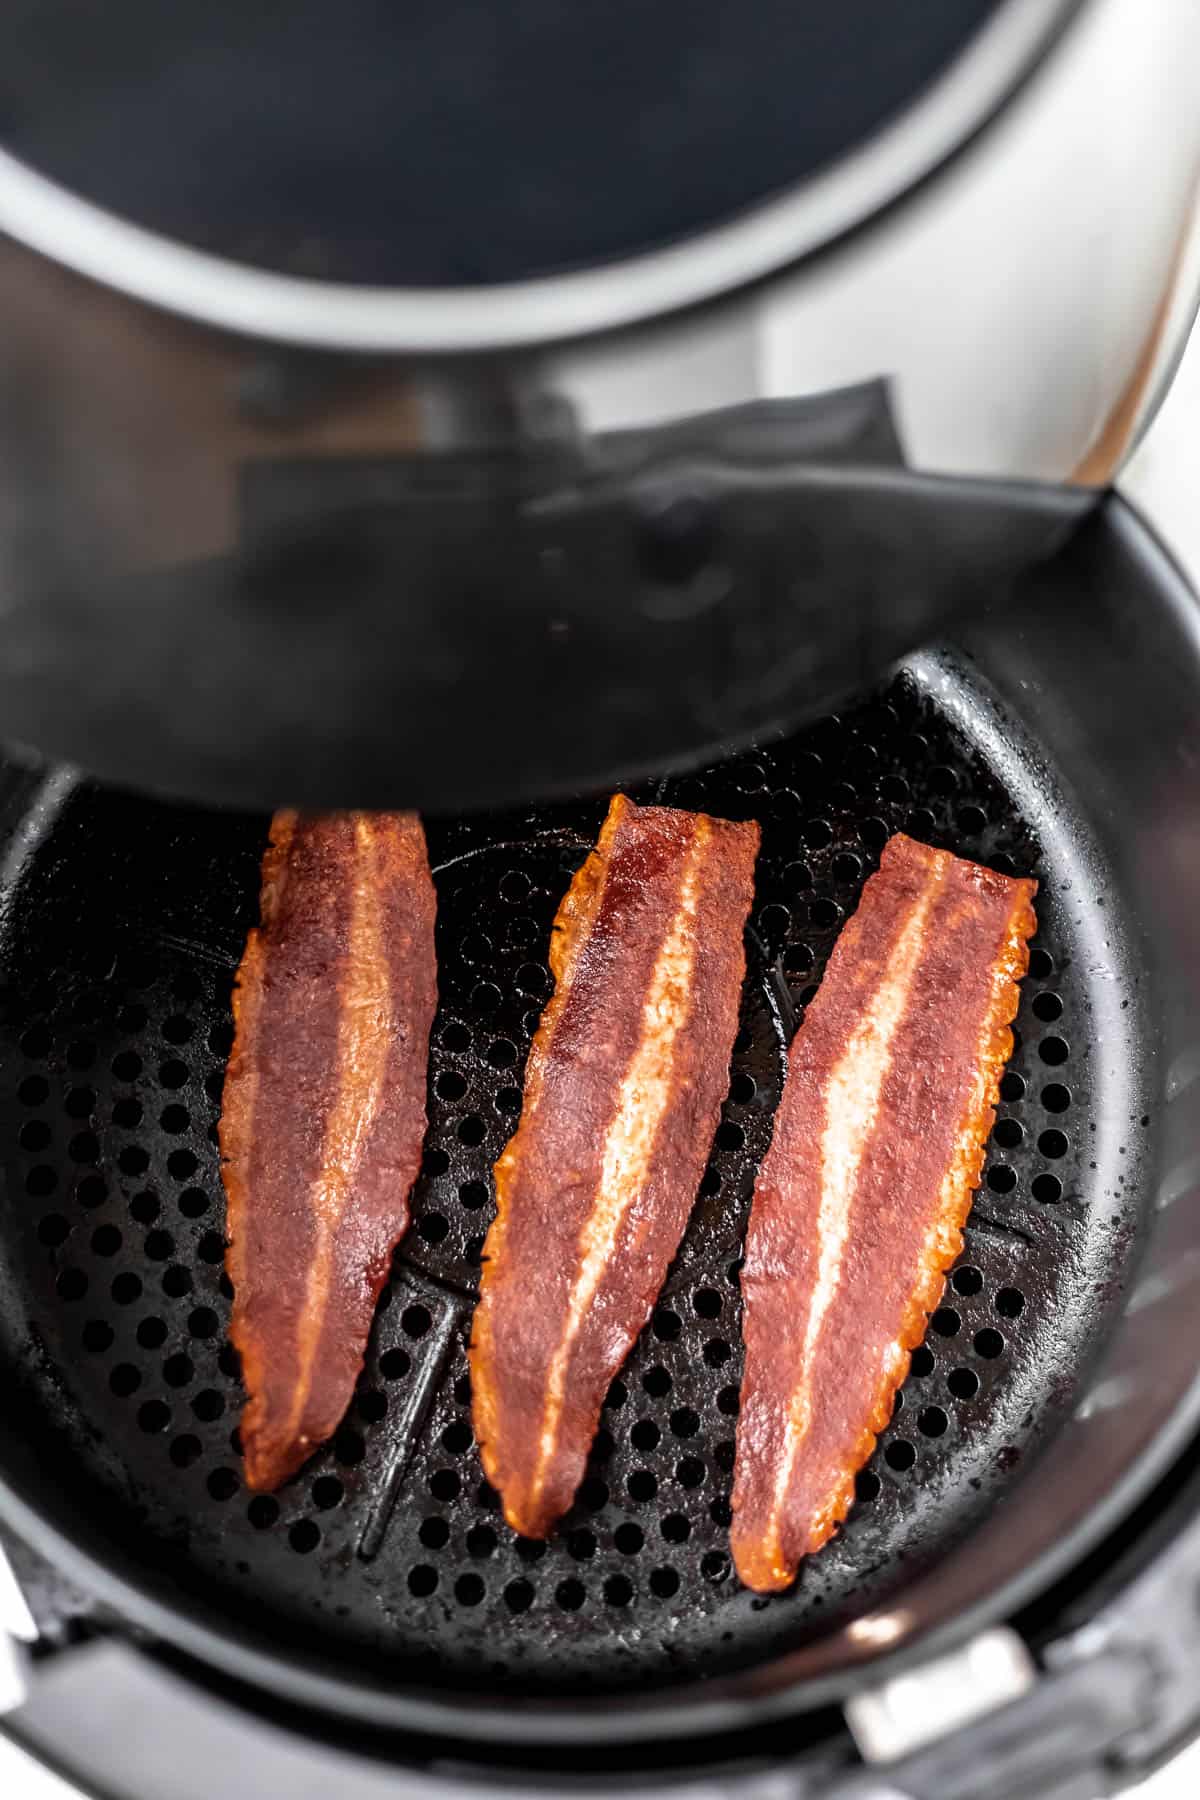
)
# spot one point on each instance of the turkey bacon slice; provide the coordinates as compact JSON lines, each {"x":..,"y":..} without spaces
{"x":323,"y":1114}
{"x":860,"y":1202}
{"x":623,"y":1092}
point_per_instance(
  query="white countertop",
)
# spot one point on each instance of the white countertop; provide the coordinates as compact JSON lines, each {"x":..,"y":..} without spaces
{"x":1164,"y":480}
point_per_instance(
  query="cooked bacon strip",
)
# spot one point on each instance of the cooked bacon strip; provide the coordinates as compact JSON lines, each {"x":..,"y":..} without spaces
{"x":323,"y":1114}
{"x":622,"y":1094}
{"x":860,"y":1202}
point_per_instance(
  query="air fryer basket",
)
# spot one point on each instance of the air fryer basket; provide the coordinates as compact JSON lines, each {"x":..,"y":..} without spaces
{"x":383,"y":1579}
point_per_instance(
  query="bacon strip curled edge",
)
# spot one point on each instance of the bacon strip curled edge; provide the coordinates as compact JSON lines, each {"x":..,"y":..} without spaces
{"x":323,"y":1115}
{"x":623,"y":1092}
{"x":860,"y":1202}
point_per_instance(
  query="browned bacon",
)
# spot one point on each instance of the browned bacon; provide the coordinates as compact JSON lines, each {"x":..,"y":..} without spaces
{"x":323,"y":1115}
{"x":860,"y":1202}
{"x":622,"y":1095}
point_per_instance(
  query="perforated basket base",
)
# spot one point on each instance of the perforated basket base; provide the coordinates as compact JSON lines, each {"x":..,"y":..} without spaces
{"x":120,"y":939}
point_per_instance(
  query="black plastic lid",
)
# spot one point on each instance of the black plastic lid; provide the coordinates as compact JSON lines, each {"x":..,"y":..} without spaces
{"x":454,"y":142}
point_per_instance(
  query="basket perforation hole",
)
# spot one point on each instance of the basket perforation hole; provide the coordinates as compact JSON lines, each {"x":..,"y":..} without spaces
{"x":91,"y":1192}
{"x":154,"y":1416}
{"x":125,"y":1379}
{"x":689,"y":1472}
{"x":349,"y":1447}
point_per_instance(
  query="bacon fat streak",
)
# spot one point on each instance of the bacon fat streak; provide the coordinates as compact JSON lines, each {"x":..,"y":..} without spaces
{"x":622,"y":1095}
{"x":323,"y":1114}
{"x":860,"y":1202}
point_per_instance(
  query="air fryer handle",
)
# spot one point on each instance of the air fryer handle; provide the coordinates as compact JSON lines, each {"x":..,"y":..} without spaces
{"x":124,"y":1723}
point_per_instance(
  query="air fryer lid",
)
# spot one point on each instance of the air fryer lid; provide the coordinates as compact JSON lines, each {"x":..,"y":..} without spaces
{"x":479,"y":628}
{"x":457,"y":143}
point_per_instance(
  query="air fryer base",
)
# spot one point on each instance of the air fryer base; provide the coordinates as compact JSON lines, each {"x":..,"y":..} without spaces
{"x":124,"y":928}
{"x":1100,"y":658}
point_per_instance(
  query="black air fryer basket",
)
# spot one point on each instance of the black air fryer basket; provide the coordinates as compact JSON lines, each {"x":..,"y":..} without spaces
{"x":378,"y":1611}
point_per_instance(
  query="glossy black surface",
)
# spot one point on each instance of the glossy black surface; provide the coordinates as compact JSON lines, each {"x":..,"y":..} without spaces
{"x":457,"y":142}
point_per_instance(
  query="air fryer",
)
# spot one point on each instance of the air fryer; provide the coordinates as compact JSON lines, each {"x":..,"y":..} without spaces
{"x":255,"y":558}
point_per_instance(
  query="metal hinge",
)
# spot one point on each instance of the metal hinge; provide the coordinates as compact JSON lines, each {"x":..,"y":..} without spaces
{"x":17,"y":1628}
{"x":920,"y":1707}
{"x":983,"y":1724}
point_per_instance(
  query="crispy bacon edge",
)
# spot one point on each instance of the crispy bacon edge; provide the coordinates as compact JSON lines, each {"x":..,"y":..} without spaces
{"x":527,"y":1505}
{"x":758,"y":1554}
{"x":388,"y":848}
